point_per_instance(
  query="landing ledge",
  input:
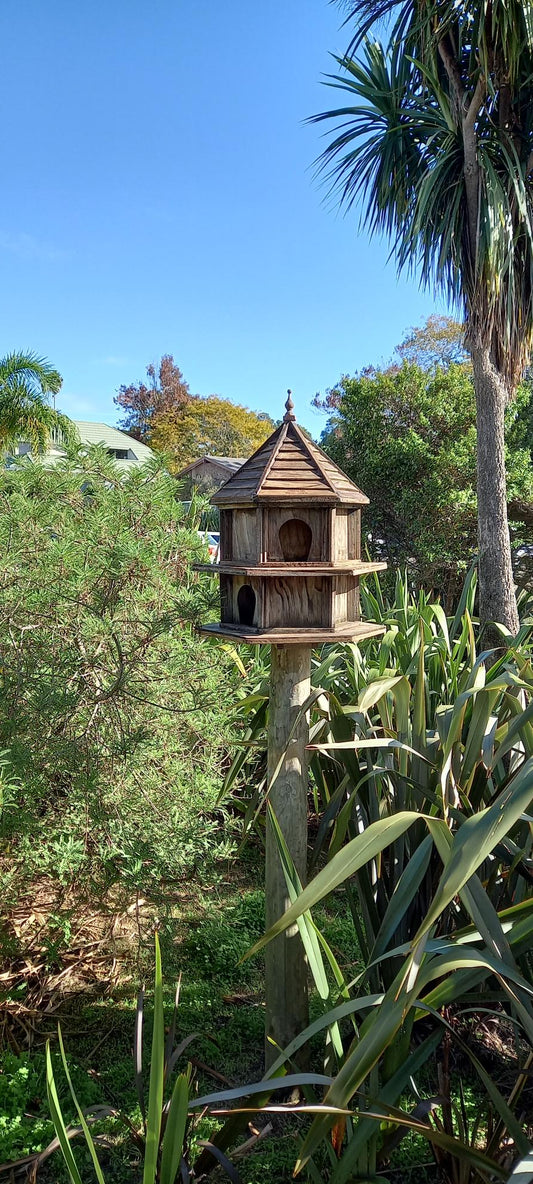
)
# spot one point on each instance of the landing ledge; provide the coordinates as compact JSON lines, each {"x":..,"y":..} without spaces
{"x":350,"y":567}
{"x":349,"y":631}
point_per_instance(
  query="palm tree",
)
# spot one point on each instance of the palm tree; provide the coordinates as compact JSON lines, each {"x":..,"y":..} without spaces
{"x":437,"y":142}
{"x":26,"y":384}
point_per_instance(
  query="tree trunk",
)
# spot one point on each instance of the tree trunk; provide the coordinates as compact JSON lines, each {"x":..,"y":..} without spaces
{"x":285,"y":961}
{"x":497,"y":600}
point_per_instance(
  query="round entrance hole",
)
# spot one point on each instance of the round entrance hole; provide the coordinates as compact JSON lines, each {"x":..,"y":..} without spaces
{"x":246,"y":604}
{"x":295,"y":538}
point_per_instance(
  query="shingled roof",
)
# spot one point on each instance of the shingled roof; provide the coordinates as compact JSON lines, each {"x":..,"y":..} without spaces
{"x":289,"y":467}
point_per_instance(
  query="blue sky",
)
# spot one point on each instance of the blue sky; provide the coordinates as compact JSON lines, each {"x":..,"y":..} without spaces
{"x":158,"y":197}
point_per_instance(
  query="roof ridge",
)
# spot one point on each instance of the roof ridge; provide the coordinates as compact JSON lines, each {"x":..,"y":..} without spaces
{"x":280,"y":440}
{"x":247,"y":462}
{"x":288,"y":466}
{"x":336,"y":466}
{"x":303,"y":440}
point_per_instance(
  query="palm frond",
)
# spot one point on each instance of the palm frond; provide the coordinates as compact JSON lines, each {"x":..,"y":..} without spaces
{"x":26,"y":382}
{"x":452,"y":76}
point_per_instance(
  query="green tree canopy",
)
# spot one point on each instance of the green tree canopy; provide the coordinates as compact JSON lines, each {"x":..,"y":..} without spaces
{"x":439,"y":341}
{"x":407,"y":436}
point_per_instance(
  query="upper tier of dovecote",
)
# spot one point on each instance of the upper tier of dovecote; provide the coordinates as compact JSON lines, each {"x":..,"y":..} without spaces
{"x":289,"y":468}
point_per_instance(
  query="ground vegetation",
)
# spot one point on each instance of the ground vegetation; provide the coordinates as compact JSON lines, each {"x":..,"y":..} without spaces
{"x":414,"y":740}
{"x":422,"y":769}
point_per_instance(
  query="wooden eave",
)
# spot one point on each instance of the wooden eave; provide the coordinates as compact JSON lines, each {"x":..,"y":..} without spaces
{"x":345,"y":567}
{"x":288,"y":469}
{"x":348,"y":631}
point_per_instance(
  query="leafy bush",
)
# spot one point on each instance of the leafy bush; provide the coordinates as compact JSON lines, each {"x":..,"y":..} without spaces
{"x":22,"y":1122}
{"x":407,"y":435}
{"x":112,"y":720}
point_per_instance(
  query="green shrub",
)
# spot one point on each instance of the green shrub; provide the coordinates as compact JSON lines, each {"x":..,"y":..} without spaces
{"x":23,"y":1126}
{"x":114,"y":729}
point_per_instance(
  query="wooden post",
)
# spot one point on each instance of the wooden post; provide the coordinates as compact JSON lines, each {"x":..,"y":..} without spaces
{"x":285,"y":962}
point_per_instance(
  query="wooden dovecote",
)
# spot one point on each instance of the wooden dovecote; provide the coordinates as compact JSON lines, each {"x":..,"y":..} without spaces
{"x":290,"y":546}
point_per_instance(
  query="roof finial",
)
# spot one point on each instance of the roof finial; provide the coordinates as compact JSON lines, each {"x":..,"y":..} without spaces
{"x":289,"y":407}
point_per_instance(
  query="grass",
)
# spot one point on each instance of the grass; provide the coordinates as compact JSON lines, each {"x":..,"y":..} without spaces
{"x":203,"y":936}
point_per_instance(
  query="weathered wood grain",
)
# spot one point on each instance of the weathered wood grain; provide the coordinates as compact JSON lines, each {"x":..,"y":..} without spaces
{"x":285,"y":963}
{"x":355,"y":567}
{"x":226,"y":535}
{"x":306,"y":602}
{"x":246,"y":541}
{"x":350,"y":631}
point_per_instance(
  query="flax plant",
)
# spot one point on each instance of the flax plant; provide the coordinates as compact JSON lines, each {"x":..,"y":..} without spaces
{"x":422,"y":776}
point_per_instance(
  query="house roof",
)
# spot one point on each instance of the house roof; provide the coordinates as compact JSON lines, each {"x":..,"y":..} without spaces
{"x":94,"y":433}
{"x":289,"y":467}
{"x":231,"y":463}
{"x":101,"y":433}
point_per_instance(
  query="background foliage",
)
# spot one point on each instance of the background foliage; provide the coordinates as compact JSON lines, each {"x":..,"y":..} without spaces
{"x":111,"y":720}
{"x":209,"y":427}
{"x":407,"y":435}
{"x":27,"y":384}
{"x":183,"y":426}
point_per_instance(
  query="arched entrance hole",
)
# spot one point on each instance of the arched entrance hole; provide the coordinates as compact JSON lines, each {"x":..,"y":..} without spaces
{"x":246,"y":604}
{"x":295,"y":538}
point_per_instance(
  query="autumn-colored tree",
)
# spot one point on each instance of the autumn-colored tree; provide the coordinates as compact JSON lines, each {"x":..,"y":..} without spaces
{"x":439,"y":341}
{"x":166,"y":392}
{"x":208,"y":427}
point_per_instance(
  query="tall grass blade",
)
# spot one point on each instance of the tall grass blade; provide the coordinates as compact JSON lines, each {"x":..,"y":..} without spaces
{"x":176,"y":1124}
{"x":59,"y":1122}
{"x":477,"y":838}
{"x":138,"y":1055}
{"x":157,"y":1076}
{"x":83,"y":1122}
{"x":359,"y":851}
{"x":522,"y":1172}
